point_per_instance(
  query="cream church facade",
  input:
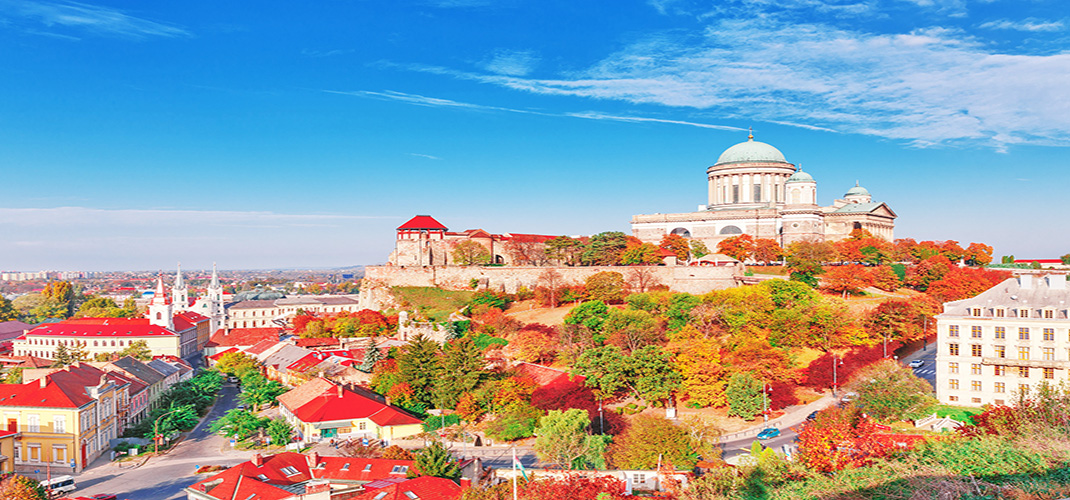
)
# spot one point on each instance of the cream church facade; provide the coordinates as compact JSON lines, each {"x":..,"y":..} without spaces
{"x":754,"y":190}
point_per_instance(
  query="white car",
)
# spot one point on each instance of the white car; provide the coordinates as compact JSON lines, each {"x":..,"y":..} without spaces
{"x":916,"y":363}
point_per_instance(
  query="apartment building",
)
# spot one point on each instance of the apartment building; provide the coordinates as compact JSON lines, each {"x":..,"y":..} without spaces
{"x":1007,"y":340}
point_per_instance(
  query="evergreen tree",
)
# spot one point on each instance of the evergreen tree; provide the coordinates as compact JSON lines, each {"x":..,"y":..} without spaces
{"x":436,"y":461}
{"x":371,"y":356}
{"x":744,"y":395}
{"x":418,"y":366}
{"x":463,"y":361}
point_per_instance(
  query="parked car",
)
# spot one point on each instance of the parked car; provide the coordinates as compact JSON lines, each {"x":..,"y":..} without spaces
{"x":103,"y":496}
{"x":769,"y":433}
{"x":812,"y":415}
{"x":916,"y":363}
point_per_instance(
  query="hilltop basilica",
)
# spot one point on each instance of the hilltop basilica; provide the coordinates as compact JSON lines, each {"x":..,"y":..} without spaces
{"x":754,"y":190}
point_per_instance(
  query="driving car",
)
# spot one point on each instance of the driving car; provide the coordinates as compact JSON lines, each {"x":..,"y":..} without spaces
{"x":769,"y":433}
{"x":812,"y":415}
{"x":916,"y":363}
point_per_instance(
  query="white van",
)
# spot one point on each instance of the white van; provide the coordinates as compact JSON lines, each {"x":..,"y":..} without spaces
{"x":60,"y":484}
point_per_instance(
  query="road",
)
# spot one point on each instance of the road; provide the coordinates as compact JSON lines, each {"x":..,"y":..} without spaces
{"x":738,"y":447}
{"x":926,"y":371}
{"x":164,"y":478}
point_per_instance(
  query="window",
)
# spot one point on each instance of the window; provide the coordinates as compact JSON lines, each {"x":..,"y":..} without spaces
{"x":1023,"y":333}
{"x":59,"y":424}
{"x":1049,"y":373}
{"x":289,"y":470}
{"x":953,"y":331}
{"x":975,"y":350}
{"x":975,"y":332}
{"x":59,"y":453}
{"x":1001,"y":331}
{"x":262,"y":477}
{"x":411,"y":495}
{"x":952,"y":367}
{"x":380,"y":495}
{"x":94,"y":343}
{"x":368,"y":468}
{"x":1023,"y":353}
{"x":1049,"y":314}
{"x":975,"y":385}
{"x":1049,"y":354}
{"x":1023,"y":371}
{"x":1023,"y":388}
{"x":363,"y":426}
{"x":399,"y":469}
{"x":1049,"y":334}
{"x":735,"y":194}
{"x":1001,"y":387}
{"x":998,"y":402}
{"x":346,"y":466}
{"x":953,"y":384}
{"x":638,"y":477}
{"x":952,"y":398}
{"x":954,"y":348}
{"x":975,"y":400}
{"x":1001,"y":351}
{"x":977,"y":311}
{"x":999,"y":313}
{"x":33,"y":423}
{"x":1023,"y":313}
{"x":757,"y":192}
{"x":1001,"y":370}
{"x":975,"y":369}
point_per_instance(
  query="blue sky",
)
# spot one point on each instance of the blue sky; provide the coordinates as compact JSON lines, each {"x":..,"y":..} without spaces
{"x":299,"y":134}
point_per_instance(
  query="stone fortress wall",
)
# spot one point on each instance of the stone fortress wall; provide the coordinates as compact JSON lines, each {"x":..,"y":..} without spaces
{"x":374,"y":291}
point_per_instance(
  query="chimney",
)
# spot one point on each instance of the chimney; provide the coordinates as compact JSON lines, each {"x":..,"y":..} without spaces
{"x":341,"y":391}
{"x":1057,"y":281}
{"x":313,"y":460}
{"x":258,"y":460}
{"x":44,"y":381}
{"x":1025,"y":281}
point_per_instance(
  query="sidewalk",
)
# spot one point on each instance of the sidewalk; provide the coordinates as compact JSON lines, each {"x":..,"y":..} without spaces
{"x":792,"y":417}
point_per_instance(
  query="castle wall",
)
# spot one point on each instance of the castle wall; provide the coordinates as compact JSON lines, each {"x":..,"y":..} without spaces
{"x":690,"y":279}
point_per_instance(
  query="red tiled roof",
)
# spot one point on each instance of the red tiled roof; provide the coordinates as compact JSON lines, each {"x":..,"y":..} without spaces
{"x":324,"y":402}
{"x":317,"y":342}
{"x":423,"y":488}
{"x":216,"y":356}
{"x":306,"y":362}
{"x":25,"y":361}
{"x":261,"y":346}
{"x":64,"y":388}
{"x":423,"y":222}
{"x":102,"y":327}
{"x":243,"y":336}
{"x":527,"y":238}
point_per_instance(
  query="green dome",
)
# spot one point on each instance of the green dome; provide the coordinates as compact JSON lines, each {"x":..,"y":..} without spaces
{"x":751,"y":150}
{"x":857,"y":191}
{"x":800,"y":176}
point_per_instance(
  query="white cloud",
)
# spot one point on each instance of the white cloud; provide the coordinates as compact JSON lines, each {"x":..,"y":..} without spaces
{"x":429,"y":157}
{"x":928,"y":86}
{"x":512,"y":63}
{"x":85,"y":17}
{"x":1026,"y":25}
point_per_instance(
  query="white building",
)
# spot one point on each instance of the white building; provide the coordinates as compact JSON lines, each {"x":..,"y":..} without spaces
{"x":1012,"y":337}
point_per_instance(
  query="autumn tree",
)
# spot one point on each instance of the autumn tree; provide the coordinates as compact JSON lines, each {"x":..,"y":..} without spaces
{"x":640,"y":254}
{"x":563,"y":439}
{"x":604,"y":249}
{"x":630,"y":329}
{"x":649,"y":439}
{"x":470,"y":253}
{"x":884,"y":278}
{"x":16,"y":487}
{"x":565,"y":250}
{"x":101,"y":307}
{"x":7,"y":311}
{"x":62,"y":294}
{"x":606,"y":286}
{"x":895,"y":320}
{"x":805,"y":258}
{"x":767,"y":250}
{"x":890,"y":392}
{"x":676,"y":244}
{"x":237,"y":364}
{"x":837,"y":439}
{"x":535,"y":343}
{"x":739,"y":247}
{"x":927,"y":271}
{"x":847,"y":279}
{"x":526,"y":251}
{"x":978,"y":254}
{"x":964,"y":282}
{"x":698,"y":249}
{"x":551,"y":281}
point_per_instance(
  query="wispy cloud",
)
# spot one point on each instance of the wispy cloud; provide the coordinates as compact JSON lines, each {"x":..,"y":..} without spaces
{"x":429,"y":157}
{"x":420,"y":100}
{"x":84,"y":17}
{"x":927,"y":86}
{"x":326,"y":53}
{"x":512,"y":63}
{"x":1025,"y":25}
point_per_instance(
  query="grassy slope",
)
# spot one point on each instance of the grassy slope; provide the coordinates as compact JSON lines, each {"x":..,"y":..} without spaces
{"x":435,"y":303}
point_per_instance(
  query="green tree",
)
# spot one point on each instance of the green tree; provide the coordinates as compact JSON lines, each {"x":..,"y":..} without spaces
{"x":470,"y":253}
{"x":744,"y":395}
{"x":631,"y":329}
{"x":463,"y":361}
{"x":643,"y":253}
{"x":1064,"y":258}
{"x":604,"y":249}
{"x":565,"y":250}
{"x":280,"y":431}
{"x":606,"y":286}
{"x":889,"y":392}
{"x":13,"y":376}
{"x":698,"y":249}
{"x":650,"y":440}
{"x":238,"y":424}
{"x":562,"y":439}
{"x":174,"y":418}
{"x":652,"y":375}
{"x":101,"y":307}
{"x":418,"y":366}
{"x":7,"y":310}
{"x":436,"y":461}
{"x":604,"y":368}
{"x":258,"y":391}
{"x":591,"y":314}
{"x":64,"y":355}
{"x":372,"y":355}
{"x":805,"y":259}
{"x":138,"y":349}
{"x":237,"y":364}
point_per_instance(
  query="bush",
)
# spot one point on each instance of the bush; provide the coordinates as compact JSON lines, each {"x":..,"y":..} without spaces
{"x":435,"y":422}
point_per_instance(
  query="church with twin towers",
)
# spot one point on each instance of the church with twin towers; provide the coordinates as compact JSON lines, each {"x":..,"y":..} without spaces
{"x":753,"y":189}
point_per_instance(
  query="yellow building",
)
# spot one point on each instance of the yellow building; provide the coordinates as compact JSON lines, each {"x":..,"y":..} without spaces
{"x":64,"y":418}
{"x":7,"y":450}
{"x":320,"y":409}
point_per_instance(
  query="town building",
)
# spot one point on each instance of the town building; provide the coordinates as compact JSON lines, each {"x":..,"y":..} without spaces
{"x":1003,"y":342}
{"x":9,"y":331}
{"x":754,"y":190}
{"x":424,"y":241}
{"x":143,"y":400}
{"x":8,"y":442}
{"x":293,"y":476}
{"x":320,"y":409}
{"x":277,"y":312}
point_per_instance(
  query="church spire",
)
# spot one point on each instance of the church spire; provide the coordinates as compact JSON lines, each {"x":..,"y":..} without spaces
{"x":750,"y":135}
{"x":178,"y":277}
{"x":215,"y":277}
{"x":160,"y":296}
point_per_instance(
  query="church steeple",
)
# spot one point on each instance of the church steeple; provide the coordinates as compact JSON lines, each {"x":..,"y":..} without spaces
{"x":179,"y":292}
{"x":160,"y":307}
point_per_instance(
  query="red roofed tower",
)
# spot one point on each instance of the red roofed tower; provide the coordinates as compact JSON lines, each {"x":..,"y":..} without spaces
{"x":414,"y":239}
{"x":160,"y":307}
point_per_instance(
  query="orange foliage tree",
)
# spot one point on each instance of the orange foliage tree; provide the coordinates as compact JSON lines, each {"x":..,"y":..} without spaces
{"x":767,"y":250}
{"x":738,"y":247}
{"x":884,"y":278}
{"x":965,"y":282}
{"x":676,"y":244}
{"x":847,"y":279}
{"x":978,"y":254}
{"x":839,"y":439}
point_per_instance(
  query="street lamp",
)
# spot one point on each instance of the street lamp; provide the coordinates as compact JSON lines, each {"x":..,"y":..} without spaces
{"x":765,"y":402}
{"x":835,"y":380}
{"x":156,"y":431}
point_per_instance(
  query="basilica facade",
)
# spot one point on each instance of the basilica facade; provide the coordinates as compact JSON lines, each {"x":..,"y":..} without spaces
{"x":754,"y":190}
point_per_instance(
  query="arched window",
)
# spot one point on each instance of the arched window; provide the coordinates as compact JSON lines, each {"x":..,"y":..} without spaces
{"x":731,"y":230}
{"x":857,"y":225}
{"x":94,"y":343}
{"x":159,"y":316}
{"x":682,"y":232}
{"x":113,"y":343}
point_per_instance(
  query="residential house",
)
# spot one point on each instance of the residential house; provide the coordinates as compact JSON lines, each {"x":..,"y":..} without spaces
{"x":9,"y":331}
{"x":293,"y":476}
{"x":240,"y":338}
{"x":153,"y":380}
{"x":419,"y":488}
{"x":277,"y":362}
{"x":170,"y":373}
{"x":321,"y":409}
{"x":8,"y":442}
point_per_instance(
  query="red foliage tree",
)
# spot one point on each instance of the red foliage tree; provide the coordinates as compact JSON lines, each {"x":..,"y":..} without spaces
{"x":573,"y":394}
{"x":767,"y":250}
{"x":846,"y":279}
{"x":574,"y":486}
{"x":884,"y":278}
{"x":676,"y":244}
{"x":839,"y":439}
{"x":965,"y":282}
{"x":782,"y":394}
{"x":819,"y":374}
{"x":738,"y":247}
{"x":928,"y":271}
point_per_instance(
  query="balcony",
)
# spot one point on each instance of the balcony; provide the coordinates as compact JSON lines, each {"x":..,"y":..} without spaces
{"x":1028,"y":363}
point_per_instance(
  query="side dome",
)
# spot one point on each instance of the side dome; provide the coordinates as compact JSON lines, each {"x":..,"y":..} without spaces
{"x":800,"y":176}
{"x":751,"y":151}
{"x":857,"y":191}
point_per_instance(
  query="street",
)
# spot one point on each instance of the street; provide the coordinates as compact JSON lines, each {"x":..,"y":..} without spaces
{"x":163,"y":478}
{"x":926,"y":371}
